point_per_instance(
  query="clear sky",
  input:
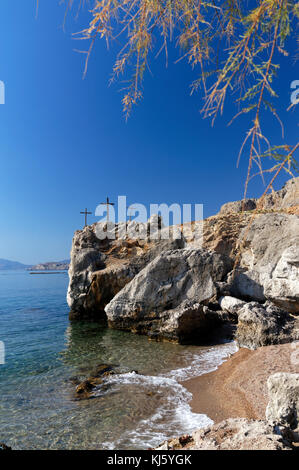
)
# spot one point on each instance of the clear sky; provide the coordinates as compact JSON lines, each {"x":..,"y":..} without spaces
{"x":64,"y":144}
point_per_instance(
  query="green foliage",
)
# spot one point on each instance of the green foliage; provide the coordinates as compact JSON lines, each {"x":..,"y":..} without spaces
{"x":233,"y":46}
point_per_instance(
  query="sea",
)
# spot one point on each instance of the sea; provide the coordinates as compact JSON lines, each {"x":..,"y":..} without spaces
{"x":44,"y":356}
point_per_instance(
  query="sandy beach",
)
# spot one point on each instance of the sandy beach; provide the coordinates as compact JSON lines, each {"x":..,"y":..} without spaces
{"x":239,"y":387}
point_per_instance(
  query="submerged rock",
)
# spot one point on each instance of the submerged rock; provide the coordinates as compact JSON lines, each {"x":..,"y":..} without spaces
{"x":4,"y":446}
{"x":88,"y":385}
{"x":84,"y":389}
{"x":168,"y":298}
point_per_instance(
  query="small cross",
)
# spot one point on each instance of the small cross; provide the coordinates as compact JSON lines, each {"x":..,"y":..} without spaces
{"x":130,"y":215}
{"x":85,"y":213}
{"x":107,"y":203}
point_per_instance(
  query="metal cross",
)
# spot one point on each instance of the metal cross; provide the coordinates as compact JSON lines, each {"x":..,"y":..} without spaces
{"x":107,"y":204}
{"x":85,"y":213}
{"x":130,"y":215}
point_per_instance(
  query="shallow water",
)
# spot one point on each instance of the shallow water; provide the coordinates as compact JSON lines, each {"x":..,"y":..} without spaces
{"x":38,"y":407}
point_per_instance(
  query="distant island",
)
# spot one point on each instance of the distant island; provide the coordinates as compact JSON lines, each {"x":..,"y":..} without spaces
{"x":7,"y":265}
{"x":51,"y":266}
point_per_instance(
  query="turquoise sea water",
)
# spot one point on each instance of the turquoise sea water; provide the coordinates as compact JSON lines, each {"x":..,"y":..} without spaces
{"x":43,"y":354}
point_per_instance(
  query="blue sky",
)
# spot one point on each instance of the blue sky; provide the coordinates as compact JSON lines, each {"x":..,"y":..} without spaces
{"x":64,"y":144}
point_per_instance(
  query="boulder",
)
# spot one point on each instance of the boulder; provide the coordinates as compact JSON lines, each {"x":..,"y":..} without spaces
{"x":283,"y":287}
{"x":168,"y":298}
{"x":231,"y":305}
{"x":283,"y":406}
{"x":262,"y":325}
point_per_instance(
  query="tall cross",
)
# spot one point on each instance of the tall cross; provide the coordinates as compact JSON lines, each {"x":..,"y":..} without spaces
{"x":85,"y":213}
{"x":130,"y":215}
{"x":107,"y":204}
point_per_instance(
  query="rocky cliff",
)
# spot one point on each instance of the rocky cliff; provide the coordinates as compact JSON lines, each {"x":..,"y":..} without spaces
{"x":174,"y":289}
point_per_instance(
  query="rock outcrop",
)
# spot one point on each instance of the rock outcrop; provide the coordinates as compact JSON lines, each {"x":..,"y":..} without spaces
{"x":285,"y":198}
{"x":283,"y":407}
{"x":283,"y":286}
{"x":261,"y":241}
{"x":264,"y":244}
{"x":238,"y":206}
{"x":269,"y":267}
{"x":232,"y":434}
{"x":99,"y":269}
{"x":262,"y":325}
{"x":169,"y":297}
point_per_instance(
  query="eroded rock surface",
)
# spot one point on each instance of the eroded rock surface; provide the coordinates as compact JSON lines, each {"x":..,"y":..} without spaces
{"x":99,"y":269}
{"x":283,"y":407}
{"x":232,"y":434}
{"x":231,"y":304}
{"x":262,"y":325}
{"x":168,"y":298}
{"x":269,"y":267}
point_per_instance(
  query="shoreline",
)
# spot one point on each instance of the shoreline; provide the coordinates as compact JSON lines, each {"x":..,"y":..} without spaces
{"x":238,"y":388}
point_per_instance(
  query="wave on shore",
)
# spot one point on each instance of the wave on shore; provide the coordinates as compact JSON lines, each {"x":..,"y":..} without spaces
{"x":173,"y":415}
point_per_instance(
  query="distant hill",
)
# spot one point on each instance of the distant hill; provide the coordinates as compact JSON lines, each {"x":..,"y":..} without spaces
{"x":51,"y":266}
{"x":6,"y":264}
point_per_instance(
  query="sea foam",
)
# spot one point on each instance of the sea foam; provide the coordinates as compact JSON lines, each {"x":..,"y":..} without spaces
{"x":174,"y":417}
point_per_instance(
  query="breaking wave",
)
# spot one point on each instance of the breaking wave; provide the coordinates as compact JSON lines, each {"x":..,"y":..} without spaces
{"x":173,"y":416}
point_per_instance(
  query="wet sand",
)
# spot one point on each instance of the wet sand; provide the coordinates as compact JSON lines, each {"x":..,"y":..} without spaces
{"x":239,"y":387}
